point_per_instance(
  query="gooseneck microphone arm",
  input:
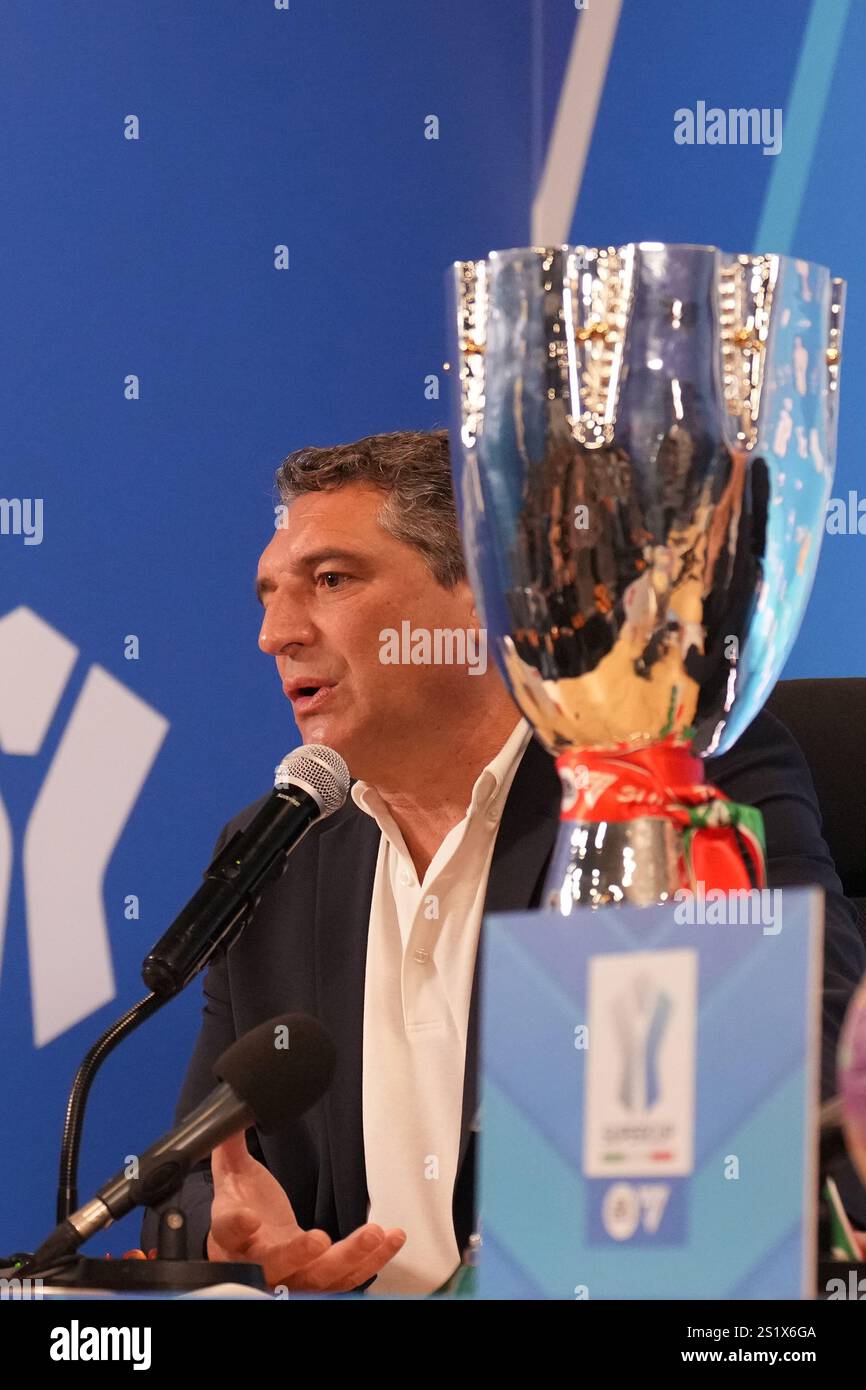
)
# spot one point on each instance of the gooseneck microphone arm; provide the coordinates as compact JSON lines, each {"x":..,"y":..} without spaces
{"x":73,"y":1124}
{"x":310,"y":783}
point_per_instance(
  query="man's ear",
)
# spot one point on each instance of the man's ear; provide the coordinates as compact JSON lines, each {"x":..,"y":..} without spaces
{"x":464,"y":589}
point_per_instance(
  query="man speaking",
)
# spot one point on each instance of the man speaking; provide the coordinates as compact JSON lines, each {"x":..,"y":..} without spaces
{"x":374,"y":926}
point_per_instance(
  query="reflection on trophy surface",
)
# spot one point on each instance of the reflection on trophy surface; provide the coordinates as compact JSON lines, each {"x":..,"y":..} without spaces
{"x":643,"y":452}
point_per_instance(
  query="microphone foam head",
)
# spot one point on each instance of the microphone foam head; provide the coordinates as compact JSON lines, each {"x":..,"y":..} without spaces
{"x":280,"y":1068}
{"x":320,"y":771}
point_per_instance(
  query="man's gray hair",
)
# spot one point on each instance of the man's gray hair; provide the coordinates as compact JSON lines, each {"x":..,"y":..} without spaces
{"x":412,"y":469}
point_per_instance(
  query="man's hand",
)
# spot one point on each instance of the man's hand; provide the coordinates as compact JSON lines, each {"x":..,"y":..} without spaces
{"x":252,"y":1220}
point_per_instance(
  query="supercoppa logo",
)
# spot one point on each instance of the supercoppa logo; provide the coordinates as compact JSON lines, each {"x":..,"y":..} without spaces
{"x":101,"y":762}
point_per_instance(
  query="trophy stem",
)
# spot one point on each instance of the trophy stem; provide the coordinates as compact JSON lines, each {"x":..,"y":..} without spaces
{"x":640,"y":826}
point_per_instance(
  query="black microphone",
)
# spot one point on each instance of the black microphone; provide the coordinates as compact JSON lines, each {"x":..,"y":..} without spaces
{"x":310,"y":783}
{"x":269,"y":1077}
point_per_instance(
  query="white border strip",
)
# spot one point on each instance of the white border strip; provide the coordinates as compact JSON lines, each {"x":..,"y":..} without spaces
{"x":556,"y":199}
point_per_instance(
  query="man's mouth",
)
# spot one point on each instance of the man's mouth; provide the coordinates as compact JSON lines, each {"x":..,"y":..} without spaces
{"x":308,"y":696}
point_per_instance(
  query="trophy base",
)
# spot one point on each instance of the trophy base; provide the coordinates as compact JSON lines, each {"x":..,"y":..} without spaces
{"x":636,"y":862}
{"x":689,"y":838}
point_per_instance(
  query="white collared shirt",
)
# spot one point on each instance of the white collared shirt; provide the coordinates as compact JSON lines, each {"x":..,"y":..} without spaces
{"x":421,"y":949}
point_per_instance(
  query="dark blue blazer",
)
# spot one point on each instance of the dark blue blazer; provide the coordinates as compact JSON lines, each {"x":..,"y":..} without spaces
{"x":304,"y":950}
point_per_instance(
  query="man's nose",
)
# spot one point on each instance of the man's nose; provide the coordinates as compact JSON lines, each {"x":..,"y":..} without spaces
{"x":285,"y":624}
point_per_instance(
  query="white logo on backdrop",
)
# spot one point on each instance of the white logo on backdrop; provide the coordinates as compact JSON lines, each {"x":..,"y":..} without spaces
{"x":99,"y":767}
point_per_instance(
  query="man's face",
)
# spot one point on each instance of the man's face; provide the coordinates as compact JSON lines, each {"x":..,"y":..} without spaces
{"x":331,"y":581}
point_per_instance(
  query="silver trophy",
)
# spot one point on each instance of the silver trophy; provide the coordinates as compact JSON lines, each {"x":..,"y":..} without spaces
{"x":643,"y":449}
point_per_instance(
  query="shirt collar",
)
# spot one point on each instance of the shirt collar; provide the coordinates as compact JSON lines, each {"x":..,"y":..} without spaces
{"x":492,"y":779}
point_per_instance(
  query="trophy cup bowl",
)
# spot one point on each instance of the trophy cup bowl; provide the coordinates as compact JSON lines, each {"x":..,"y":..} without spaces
{"x":643,"y":446}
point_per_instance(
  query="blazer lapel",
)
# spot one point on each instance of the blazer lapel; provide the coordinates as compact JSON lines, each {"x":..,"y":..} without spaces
{"x":524,"y":844}
{"x":344,"y":890}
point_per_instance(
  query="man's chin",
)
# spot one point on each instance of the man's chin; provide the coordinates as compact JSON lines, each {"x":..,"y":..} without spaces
{"x":314,"y":731}
{"x":361,"y":750}
{"x":318,"y":729}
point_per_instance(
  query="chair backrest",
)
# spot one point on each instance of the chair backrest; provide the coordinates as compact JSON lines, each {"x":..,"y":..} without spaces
{"x":828,"y":719}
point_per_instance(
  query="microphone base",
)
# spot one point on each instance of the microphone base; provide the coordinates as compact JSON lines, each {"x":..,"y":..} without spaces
{"x":155,"y":1276}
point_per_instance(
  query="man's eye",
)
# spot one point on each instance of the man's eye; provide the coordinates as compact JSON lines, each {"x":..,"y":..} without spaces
{"x":327,"y":576}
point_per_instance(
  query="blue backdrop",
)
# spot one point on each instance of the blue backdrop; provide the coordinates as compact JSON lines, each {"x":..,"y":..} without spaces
{"x":158,"y":365}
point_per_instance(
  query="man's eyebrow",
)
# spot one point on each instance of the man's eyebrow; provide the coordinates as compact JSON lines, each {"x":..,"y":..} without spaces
{"x":317,"y":557}
{"x":310,"y":561}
